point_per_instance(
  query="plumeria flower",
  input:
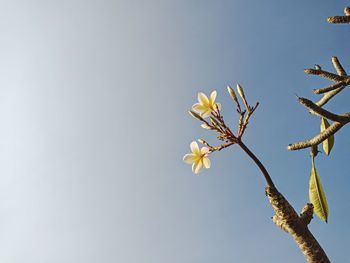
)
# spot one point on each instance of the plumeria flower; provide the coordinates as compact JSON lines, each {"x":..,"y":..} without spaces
{"x":206,"y":105}
{"x":198,"y":158}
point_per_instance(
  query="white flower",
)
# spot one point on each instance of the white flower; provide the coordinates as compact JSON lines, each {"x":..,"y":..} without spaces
{"x":206,"y":105}
{"x":198,"y":158}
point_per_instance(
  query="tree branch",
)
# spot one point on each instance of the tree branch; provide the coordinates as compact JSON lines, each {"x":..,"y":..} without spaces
{"x":342,"y":81}
{"x":331,"y":130}
{"x":319,"y":111}
{"x":338,"y":67}
{"x":258,"y":163}
{"x":340,"y":19}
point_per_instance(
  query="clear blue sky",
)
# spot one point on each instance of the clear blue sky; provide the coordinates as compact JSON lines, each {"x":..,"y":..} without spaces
{"x":93,"y":109}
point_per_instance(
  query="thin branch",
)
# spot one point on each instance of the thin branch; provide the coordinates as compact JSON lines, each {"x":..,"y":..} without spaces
{"x":328,"y":96}
{"x":221,"y":147}
{"x":324,"y":74}
{"x":330,"y":88}
{"x":258,"y":163}
{"x":317,"y":110}
{"x":338,"y":67}
{"x":342,"y":81}
{"x":246,"y":120}
{"x":340,"y":19}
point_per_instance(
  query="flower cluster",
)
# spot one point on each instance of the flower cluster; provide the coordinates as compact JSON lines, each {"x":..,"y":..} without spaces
{"x":203,"y":109}
{"x":207,"y":111}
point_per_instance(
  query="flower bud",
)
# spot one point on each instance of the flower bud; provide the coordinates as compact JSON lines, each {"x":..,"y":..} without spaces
{"x":232,"y":93}
{"x":240,"y":91}
{"x":201,"y":141}
{"x":317,"y":67}
{"x":205,"y":126}
{"x":195,"y":115}
{"x":347,"y":11}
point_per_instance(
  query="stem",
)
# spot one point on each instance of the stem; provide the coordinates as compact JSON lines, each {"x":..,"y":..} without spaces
{"x":287,"y":219}
{"x":258,"y":163}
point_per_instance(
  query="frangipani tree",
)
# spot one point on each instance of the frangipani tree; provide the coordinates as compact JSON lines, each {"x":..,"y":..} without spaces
{"x":208,"y":112}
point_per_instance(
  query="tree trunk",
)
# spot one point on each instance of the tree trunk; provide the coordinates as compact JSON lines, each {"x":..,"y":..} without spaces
{"x":296,"y":225}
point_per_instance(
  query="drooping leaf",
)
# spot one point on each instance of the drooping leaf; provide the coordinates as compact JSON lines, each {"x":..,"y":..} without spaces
{"x":329,"y":142}
{"x":316,"y":194}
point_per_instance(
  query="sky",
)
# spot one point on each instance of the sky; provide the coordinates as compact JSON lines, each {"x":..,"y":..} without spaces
{"x":93,"y":109}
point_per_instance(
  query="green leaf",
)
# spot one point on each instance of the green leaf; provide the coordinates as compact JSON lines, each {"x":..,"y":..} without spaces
{"x":316,"y":194}
{"x":329,"y":142}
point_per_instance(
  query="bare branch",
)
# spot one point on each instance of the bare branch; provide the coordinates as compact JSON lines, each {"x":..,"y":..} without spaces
{"x":330,"y":88}
{"x":342,"y":81}
{"x":317,"y":110}
{"x":328,"y":96}
{"x":338,"y":67}
{"x":340,"y":19}
{"x":306,"y":213}
{"x":324,"y":74}
{"x":331,"y":130}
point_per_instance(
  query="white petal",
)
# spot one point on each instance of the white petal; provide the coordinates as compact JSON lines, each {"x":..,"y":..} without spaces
{"x":204,"y":150}
{"x":206,"y":113}
{"x":194,"y":148}
{"x":189,"y":158}
{"x":196,"y":167}
{"x":198,"y":108}
{"x":203,"y":99}
{"x":206,"y":162}
{"x":213,"y":96}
